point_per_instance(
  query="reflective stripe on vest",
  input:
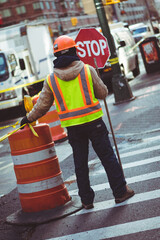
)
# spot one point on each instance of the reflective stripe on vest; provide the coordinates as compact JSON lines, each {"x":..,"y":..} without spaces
{"x":77,"y":113}
{"x":90,"y":103}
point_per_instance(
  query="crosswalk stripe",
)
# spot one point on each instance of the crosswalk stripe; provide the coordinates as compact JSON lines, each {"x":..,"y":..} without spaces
{"x":138,"y":163}
{"x":116,"y":230}
{"x":139,"y":197}
{"x":6,"y":166}
{"x":150,"y":139}
{"x":134,"y":164}
{"x":144,"y":143}
{"x":135,"y":152}
{"x":125,"y":165}
{"x":134,"y":179}
{"x":129,"y":165}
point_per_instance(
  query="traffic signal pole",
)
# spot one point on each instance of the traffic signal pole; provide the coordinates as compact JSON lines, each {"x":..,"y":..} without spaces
{"x":121,"y":88}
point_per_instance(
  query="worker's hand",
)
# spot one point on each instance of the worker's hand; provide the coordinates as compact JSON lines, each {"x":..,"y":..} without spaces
{"x":23,"y":121}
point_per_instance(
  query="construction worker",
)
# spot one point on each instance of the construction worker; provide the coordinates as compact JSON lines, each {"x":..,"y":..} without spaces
{"x":75,"y":87}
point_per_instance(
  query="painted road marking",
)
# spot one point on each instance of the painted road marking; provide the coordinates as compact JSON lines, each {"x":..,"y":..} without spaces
{"x":125,"y":166}
{"x":135,"y":179}
{"x":145,"y":150}
{"x":6,"y":166}
{"x":116,"y":230}
{"x":144,"y":142}
{"x":137,"y":198}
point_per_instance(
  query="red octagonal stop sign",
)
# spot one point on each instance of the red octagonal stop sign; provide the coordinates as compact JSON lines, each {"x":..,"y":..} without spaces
{"x":92,"y":44}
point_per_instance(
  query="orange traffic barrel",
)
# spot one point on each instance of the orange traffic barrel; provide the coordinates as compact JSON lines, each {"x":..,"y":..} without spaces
{"x":39,"y":178}
{"x":52,"y":118}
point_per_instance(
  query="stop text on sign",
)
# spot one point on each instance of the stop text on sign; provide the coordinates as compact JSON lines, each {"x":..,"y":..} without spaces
{"x":92,"y":47}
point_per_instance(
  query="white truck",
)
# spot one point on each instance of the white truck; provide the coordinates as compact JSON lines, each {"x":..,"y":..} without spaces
{"x":26,"y":55}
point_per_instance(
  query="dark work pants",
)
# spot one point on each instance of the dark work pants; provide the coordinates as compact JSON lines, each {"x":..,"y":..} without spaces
{"x":79,"y":137}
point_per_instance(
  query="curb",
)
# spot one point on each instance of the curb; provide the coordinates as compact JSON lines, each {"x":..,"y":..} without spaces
{"x":36,"y":218}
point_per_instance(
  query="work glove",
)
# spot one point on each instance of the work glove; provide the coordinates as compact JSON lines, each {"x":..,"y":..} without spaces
{"x":23,"y":121}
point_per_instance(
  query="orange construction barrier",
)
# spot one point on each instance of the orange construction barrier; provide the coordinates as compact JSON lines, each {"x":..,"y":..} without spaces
{"x":52,"y":118}
{"x":39,"y":178}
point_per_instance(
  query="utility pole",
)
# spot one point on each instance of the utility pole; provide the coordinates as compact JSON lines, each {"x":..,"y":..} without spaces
{"x":121,"y":88}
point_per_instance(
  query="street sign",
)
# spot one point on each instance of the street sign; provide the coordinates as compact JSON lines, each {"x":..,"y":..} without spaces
{"x":92,"y":44}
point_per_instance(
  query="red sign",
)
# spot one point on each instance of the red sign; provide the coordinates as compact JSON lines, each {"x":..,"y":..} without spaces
{"x":92,"y":44}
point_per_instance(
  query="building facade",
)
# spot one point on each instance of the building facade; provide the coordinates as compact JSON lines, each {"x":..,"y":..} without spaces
{"x":135,"y":11}
{"x":129,"y":11}
{"x":63,"y":16}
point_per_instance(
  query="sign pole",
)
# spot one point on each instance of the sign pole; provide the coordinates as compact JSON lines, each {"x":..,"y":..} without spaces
{"x":110,"y":123}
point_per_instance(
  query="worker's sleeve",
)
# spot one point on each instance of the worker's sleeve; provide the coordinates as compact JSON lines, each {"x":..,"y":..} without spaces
{"x":43,"y":104}
{"x":100,"y":89}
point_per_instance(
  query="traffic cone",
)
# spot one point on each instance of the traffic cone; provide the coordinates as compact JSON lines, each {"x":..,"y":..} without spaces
{"x":42,"y":192}
{"x":39,"y":178}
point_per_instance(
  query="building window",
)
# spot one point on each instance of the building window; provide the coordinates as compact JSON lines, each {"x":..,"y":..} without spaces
{"x":36,"y":5}
{"x":6,"y":13}
{"x":41,"y":4}
{"x":71,"y":4}
{"x":53,"y":5}
{"x":79,"y":4}
{"x":47,"y":5}
{"x":65,"y":5}
{"x":3,"y":1}
{"x":21,"y":10}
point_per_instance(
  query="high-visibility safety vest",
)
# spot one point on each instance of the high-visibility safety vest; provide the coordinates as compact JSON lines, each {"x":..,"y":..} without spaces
{"x":75,"y":100}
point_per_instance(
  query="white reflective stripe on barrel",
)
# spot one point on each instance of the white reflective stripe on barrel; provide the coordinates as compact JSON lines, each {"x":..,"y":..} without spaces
{"x":54,"y":124}
{"x":41,"y":185}
{"x":53,"y":108}
{"x":34,"y":156}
